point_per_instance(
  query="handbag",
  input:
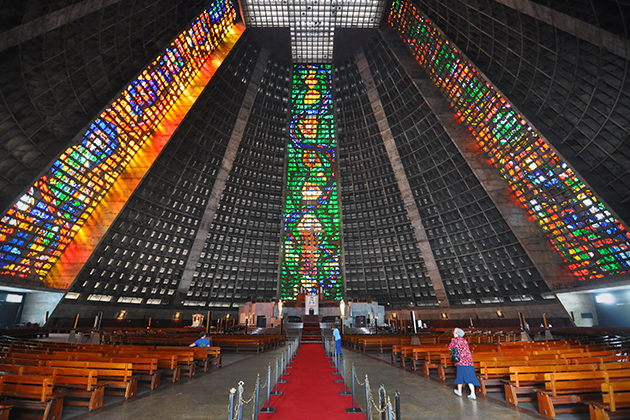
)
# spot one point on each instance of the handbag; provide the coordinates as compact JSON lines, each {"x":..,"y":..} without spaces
{"x":454,"y":354}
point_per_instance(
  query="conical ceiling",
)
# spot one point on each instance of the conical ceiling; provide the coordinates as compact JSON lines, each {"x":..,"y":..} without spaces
{"x":204,"y":227}
{"x":426,"y":218}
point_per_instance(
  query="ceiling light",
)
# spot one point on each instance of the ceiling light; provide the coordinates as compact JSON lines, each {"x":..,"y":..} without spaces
{"x":605,"y":298}
{"x":14,"y":298}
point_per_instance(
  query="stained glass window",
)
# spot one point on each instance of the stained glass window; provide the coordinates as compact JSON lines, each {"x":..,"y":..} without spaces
{"x":591,"y":240}
{"x":311,"y":222}
{"x":37,"y":229}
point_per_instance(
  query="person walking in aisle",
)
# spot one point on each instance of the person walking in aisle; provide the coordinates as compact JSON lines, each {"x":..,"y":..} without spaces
{"x":465,"y":368}
{"x":337,"y":337}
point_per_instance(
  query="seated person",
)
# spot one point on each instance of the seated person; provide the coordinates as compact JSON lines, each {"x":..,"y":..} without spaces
{"x":202,"y":342}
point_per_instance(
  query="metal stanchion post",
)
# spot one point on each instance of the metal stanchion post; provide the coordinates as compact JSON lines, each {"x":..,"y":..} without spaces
{"x":353,"y":409}
{"x":276,"y":392}
{"x":381,"y":397}
{"x":239,"y":414}
{"x":257,"y":401}
{"x":333,"y":356}
{"x":268,"y":409}
{"x":231,"y":410}
{"x":281,"y":381}
{"x":397,"y":402}
{"x":339,"y":359}
{"x":345,"y":386}
{"x":290,"y":356}
{"x":390,"y":411}
{"x":368,"y":411}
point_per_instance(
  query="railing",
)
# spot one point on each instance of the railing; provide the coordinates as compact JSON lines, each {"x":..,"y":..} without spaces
{"x":237,"y":403}
{"x":384,"y":409}
{"x":381,"y":407}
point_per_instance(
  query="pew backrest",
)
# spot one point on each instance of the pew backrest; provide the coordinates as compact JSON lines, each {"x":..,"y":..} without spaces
{"x":31,"y":387}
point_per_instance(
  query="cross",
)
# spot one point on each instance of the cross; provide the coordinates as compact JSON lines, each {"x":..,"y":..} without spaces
{"x":312,"y":23}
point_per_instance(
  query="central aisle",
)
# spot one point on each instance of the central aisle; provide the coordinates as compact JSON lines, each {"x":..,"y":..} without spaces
{"x":311,"y":392}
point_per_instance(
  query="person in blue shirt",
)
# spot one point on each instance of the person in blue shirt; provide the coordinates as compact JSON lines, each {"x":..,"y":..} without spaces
{"x":202,"y":342}
{"x":337,"y":337}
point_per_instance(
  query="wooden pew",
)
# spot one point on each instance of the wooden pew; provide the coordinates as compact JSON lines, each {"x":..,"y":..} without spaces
{"x":492,"y":373}
{"x":181,"y":337}
{"x":21,"y":362}
{"x":494,"y":368}
{"x":614,"y":365}
{"x":239,"y":343}
{"x":144,"y":368}
{"x":381,"y":344}
{"x":32,"y":396}
{"x":615,"y":402}
{"x":401,"y":353}
{"x":202,"y":356}
{"x":167,"y":362}
{"x":524,"y":379}
{"x":114,"y":376}
{"x":205,"y":357}
{"x":214,"y":356}
{"x":79,"y":386}
{"x":5,"y":410}
{"x":170,"y":362}
{"x":9,"y":369}
{"x":442,"y":362}
{"x":564,"y":391}
{"x":596,"y":359}
{"x":420,"y":354}
{"x":184,"y":361}
{"x":396,"y":354}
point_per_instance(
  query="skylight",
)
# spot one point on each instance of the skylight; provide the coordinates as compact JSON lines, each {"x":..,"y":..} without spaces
{"x":312,"y":23}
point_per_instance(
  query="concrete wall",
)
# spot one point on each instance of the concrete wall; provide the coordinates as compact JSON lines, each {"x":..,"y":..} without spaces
{"x":373,"y":313}
{"x":616,"y":312}
{"x":580,"y":305}
{"x":36,"y":304}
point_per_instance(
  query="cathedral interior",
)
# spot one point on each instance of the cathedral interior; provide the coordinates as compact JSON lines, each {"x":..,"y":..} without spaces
{"x":459,"y":159}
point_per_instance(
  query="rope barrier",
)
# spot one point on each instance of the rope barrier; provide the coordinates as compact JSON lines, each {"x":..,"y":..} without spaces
{"x":237,"y":402}
{"x":383,"y":409}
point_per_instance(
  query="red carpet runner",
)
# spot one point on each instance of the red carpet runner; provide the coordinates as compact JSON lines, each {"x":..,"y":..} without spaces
{"x":311,"y":392}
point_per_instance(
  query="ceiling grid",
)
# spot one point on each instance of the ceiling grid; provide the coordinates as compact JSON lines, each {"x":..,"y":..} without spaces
{"x":312,"y":23}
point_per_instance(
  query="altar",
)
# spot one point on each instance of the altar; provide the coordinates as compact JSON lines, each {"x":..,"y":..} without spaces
{"x":311,"y":307}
